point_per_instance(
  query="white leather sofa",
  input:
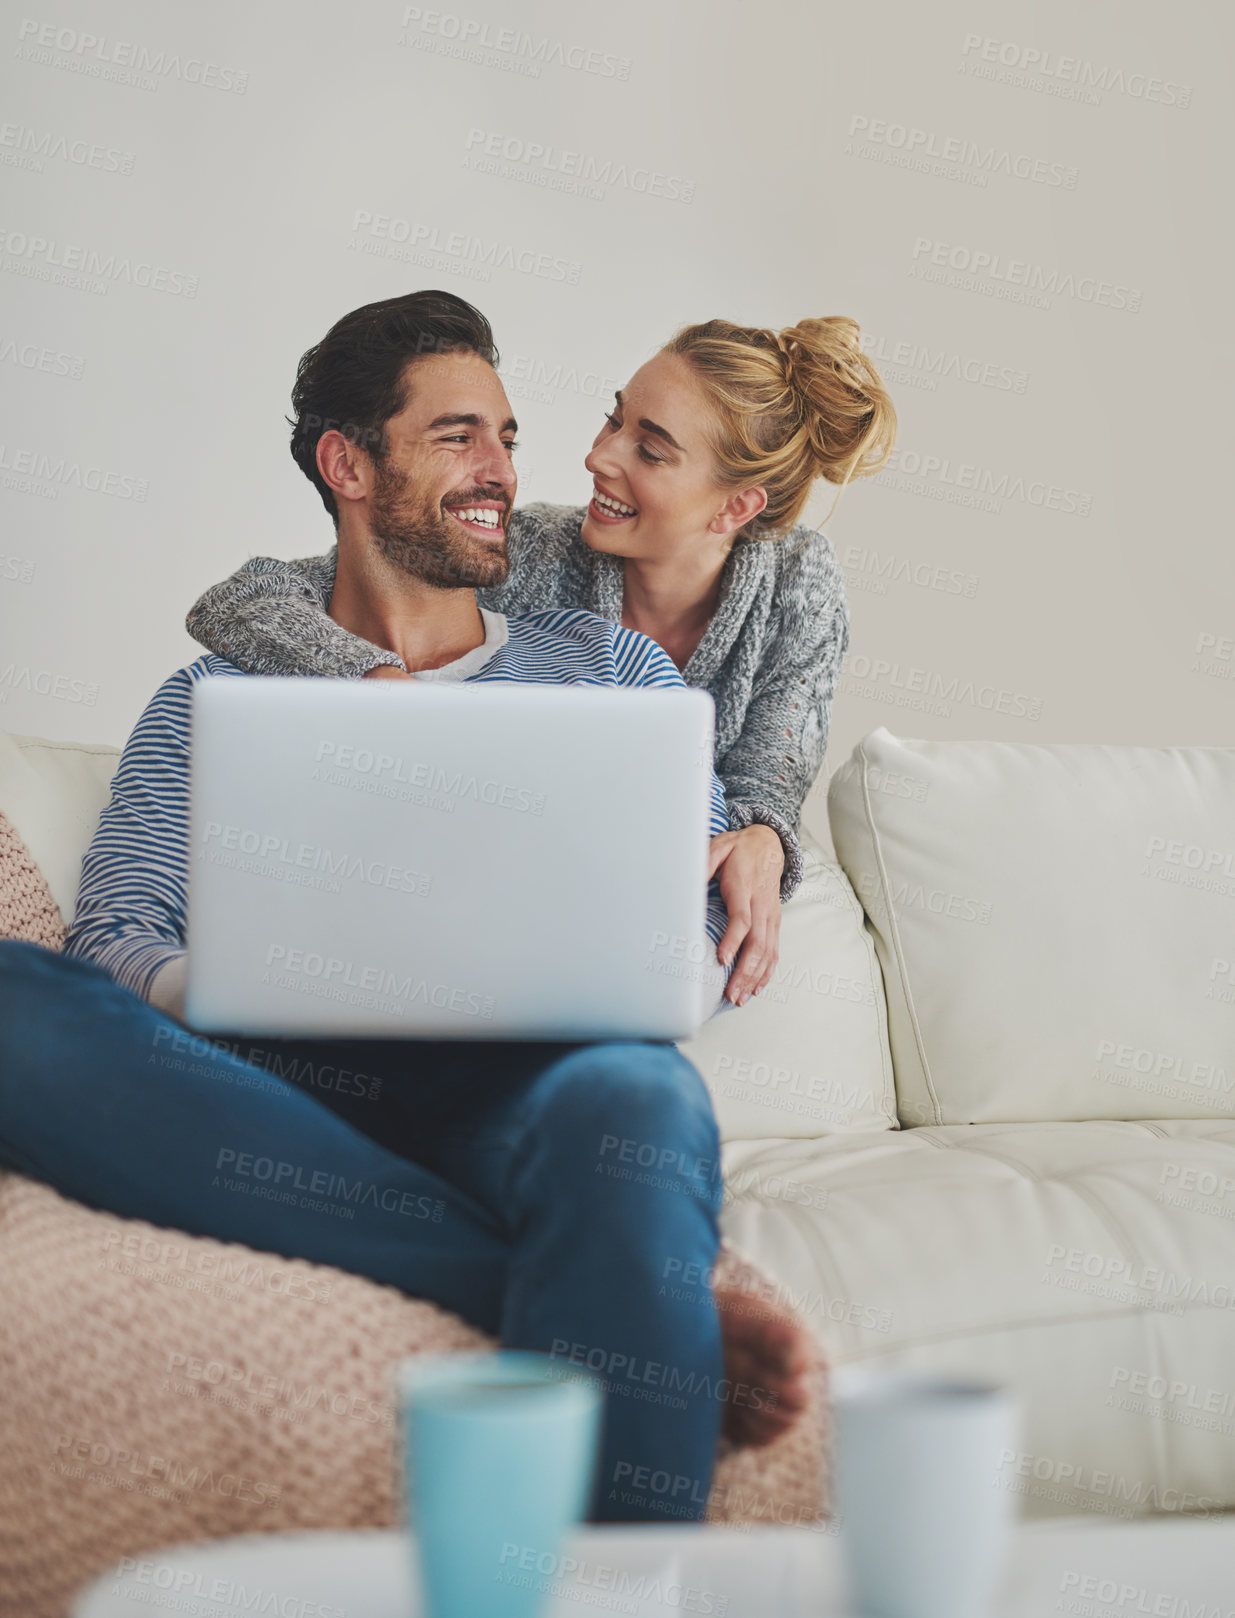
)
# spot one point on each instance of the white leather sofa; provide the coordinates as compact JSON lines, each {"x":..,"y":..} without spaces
{"x":983,"y":1121}
{"x":990,"y":1128}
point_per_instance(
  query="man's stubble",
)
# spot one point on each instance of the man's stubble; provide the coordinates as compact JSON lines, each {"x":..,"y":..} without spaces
{"x":414,"y":533}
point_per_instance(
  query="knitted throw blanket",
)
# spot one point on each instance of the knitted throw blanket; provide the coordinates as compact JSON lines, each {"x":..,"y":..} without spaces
{"x":157,"y":1387}
{"x":27,"y":909}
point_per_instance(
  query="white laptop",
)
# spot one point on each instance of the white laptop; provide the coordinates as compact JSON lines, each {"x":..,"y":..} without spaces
{"x":472,"y":861}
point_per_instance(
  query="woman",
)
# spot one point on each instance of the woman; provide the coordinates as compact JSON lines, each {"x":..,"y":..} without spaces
{"x":700,"y":473}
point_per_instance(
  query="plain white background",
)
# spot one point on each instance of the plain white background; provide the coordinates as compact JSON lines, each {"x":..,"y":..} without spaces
{"x":194,"y":197}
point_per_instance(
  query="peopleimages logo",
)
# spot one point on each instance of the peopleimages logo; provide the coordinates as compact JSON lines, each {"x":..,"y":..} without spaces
{"x":1049,"y":1478}
{"x":1205,"y":1180}
{"x":185,"y":1265}
{"x":18,"y":568}
{"x":36,"y":146}
{"x":1194,"y":1396}
{"x":58,"y":472}
{"x":46,"y":683}
{"x":86,"y":269}
{"x":339,"y":761}
{"x":121,"y":60}
{"x":1214,"y":654}
{"x":972,"y":268}
{"x":1168,"y":1290}
{"x":618,"y":1589}
{"x":284,"y":1177}
{"x":1192,"y":855}
{"x":890,"y":139}
{"x":1204,"y":1190}
{"x":1073,"y":71}
{"x":869,"y":570}
{"x":1160,"y":1064}
{"x":1188,"y":865}
{"x":156,"y":1474}
{"x":1101,"y":1596}
{"x":468,"y":38}
{"x":982,"y":481}
{"x":536,"y":158}
{"x":906,"y":896}
{"x":38,"y":357}
{"x":279,"y":856}
{"x":931,"y":364}
{"x":928,"y":691}
{"x":330,"y":977}
{"x":473,"y":252}
{"x":188,"y":1588}
{"x":225,"y":1382}
{"x":530,"y":376}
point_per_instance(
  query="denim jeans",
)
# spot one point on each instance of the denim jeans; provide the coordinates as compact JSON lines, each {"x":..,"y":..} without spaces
{"x":547,"y":1193}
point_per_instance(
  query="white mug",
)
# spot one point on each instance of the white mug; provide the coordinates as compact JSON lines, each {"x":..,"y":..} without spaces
{"x":923,"y":1515}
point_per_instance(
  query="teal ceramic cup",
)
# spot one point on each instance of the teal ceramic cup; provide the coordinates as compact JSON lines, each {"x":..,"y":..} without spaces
{"x":500,"y":1452}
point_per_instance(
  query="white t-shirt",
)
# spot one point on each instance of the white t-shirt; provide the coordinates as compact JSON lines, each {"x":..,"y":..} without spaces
{"x":496,"y":636}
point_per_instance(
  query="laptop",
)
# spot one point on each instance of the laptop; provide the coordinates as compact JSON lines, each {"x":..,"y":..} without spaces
{"x":472,"y":861}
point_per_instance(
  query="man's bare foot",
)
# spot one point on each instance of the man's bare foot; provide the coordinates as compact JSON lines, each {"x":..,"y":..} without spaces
{"x":767,"y":1359}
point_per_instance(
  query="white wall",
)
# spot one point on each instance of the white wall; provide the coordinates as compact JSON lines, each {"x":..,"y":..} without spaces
{"x":234,"y":172}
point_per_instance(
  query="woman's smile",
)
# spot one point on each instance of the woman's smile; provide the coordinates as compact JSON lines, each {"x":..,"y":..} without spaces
{"x":607,"y":508}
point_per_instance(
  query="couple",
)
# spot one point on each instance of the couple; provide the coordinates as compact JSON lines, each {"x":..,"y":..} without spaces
{"x":403,"y":427}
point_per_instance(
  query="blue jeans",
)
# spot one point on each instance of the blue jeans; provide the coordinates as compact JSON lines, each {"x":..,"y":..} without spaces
{"x":547,"y":1193}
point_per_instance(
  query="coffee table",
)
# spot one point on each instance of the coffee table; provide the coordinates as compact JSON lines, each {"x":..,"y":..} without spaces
{"x":1072,"y":1566}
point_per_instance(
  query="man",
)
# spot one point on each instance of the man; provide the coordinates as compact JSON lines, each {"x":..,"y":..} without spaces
{"x":495,"y":1168}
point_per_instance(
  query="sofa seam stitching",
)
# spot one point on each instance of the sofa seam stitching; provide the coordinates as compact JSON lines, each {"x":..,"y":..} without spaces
{"x":853,"y":907}
{"x":1023,"y":1323}
{"x":894,"y":933}
{"x":90,"y":749}
{"x":887,"y":1104}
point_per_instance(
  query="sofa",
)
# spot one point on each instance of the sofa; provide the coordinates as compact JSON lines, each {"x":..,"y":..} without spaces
{"x":1022,"y":1162}
{"x":981,"y":1123}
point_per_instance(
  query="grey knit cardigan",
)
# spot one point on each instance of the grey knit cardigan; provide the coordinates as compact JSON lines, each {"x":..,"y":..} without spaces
{"x":770,"y":657}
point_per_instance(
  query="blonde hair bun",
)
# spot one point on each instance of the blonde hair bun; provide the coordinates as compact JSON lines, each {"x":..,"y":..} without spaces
{"x":790,"y":406}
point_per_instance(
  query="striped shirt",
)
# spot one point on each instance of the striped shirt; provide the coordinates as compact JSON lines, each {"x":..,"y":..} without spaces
{"x":131,"y":904}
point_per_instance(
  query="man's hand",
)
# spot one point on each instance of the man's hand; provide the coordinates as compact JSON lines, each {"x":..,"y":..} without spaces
{"x":387,"y":671}
{"x":749,"y":864}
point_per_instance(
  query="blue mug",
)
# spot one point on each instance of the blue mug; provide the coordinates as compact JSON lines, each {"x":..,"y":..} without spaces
{"x":500,"y":1454}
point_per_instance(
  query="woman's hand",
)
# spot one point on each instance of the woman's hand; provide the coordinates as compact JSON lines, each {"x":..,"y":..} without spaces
{"x":386,"y":671}
{"x":749,"y":864}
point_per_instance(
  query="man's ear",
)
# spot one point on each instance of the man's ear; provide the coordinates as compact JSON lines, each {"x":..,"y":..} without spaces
{"x":738,"y":510}
{"x":345,"y":468}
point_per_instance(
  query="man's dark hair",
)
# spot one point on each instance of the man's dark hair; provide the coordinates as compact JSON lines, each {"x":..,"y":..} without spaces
{"x":355,"y":379}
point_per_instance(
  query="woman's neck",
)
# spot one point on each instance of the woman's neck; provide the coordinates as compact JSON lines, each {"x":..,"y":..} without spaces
{"x":672,"y":600}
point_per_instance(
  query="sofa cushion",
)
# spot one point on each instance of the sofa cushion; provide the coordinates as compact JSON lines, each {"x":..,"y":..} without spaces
{"x":1090,"y":1266}
{"x":53,"y":794}
{"x":809,"y":1055}
{"x":1056,"y":924}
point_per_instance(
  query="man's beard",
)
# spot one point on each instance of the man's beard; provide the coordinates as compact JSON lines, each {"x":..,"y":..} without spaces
{"x":414,"y":533}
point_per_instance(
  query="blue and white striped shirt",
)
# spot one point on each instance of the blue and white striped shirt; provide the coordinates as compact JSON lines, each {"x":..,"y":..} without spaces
{"x":131,"y":904}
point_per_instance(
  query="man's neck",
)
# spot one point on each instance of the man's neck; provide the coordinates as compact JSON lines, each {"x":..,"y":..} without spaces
{"x":376,"y":600}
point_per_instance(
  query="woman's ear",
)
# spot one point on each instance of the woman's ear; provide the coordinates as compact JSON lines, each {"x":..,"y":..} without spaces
{"x":740,"y":508}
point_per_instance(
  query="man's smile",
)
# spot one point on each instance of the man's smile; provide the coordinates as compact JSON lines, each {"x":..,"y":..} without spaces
{"x":483,"y":517}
